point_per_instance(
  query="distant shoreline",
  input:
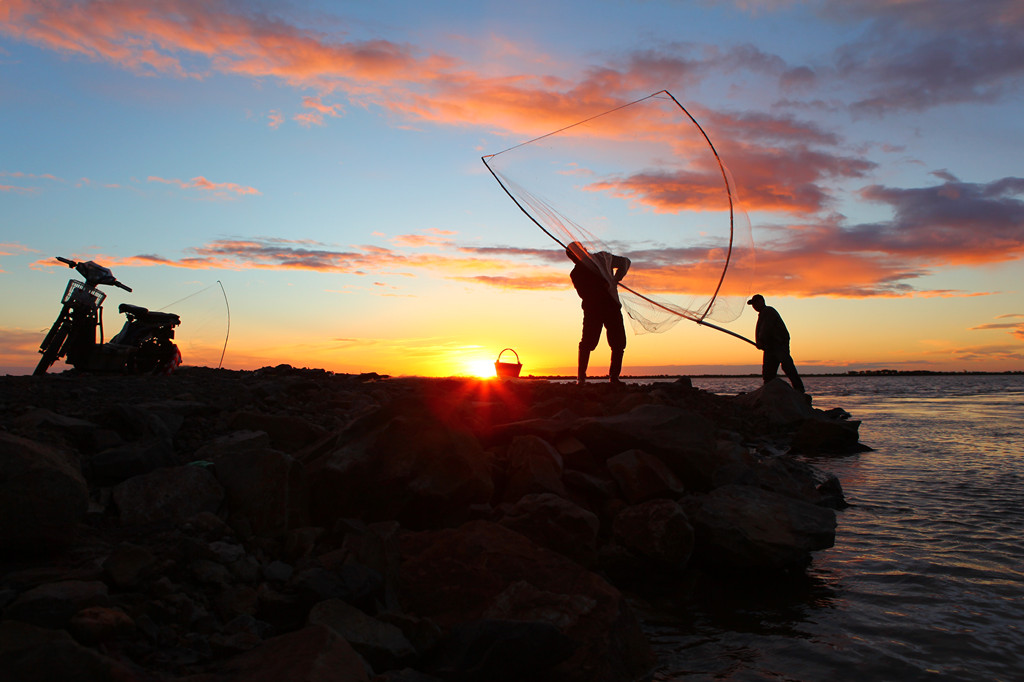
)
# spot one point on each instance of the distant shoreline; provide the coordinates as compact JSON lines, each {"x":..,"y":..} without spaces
{"x":851,"y":373}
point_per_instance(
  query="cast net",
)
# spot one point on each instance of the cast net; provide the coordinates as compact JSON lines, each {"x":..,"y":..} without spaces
{"x":643,"y":181}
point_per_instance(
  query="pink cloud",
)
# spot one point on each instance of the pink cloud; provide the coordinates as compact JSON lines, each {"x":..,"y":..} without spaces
{"x":201,"y":183}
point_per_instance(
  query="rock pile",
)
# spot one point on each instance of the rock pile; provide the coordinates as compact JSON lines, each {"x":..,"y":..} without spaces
{"x":290,"y":524}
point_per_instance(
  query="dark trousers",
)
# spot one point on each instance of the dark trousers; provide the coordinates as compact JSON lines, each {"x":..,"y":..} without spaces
{"x":770,"y":365}
{"x":609,"y":319}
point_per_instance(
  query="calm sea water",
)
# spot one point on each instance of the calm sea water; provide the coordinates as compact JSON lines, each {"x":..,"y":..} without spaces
{"x":926,"y":580}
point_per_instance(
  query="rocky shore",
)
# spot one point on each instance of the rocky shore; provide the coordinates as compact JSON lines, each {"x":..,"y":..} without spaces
{"x":293,"y":524}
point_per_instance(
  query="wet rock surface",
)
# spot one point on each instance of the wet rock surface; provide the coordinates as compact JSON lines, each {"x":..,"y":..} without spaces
{"x":294,"y":524}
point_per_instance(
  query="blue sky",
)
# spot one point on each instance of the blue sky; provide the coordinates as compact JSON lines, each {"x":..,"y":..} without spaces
{"x":322,"y":160}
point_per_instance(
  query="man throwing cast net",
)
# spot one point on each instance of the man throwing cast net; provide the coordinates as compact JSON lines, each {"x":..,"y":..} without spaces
{"x":595,"y":278}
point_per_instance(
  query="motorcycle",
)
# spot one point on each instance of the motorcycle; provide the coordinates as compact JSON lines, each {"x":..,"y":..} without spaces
{"x":143,"y":346}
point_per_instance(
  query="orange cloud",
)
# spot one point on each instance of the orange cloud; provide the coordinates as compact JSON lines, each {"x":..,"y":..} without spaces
{"x":1015,"y":329}
{"x":152,"y":36}
{"x":201,"y":183}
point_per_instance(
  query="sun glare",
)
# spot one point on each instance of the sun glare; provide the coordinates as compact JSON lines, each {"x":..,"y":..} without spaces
{"x":483,"y":369}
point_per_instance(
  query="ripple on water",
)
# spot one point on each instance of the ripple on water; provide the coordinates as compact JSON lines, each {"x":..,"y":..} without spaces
{"x":925,"y":580}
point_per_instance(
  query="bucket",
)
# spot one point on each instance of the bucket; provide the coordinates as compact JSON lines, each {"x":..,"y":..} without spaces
{"x":507,"y":370}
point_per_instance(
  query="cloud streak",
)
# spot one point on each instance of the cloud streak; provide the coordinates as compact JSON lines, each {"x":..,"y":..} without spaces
{"x":222,"y":189}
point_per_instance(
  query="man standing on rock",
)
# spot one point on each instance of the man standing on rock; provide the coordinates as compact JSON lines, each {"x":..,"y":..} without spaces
{"x":595,"y":277}
{"x":772,"y":337}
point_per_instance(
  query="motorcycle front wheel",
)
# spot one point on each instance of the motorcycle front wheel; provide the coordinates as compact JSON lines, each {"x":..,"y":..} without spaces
{"x":52,"y":350}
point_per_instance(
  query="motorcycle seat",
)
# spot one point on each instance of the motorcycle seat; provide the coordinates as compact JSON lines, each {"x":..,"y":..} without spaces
{"x":146,"y":315}
{"x":136,"y":310}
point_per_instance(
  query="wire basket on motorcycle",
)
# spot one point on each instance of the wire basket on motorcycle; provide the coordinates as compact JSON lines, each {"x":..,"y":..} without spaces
{"x":81,"y":293}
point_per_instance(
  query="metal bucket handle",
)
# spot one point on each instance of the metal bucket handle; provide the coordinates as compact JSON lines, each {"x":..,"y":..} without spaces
{"x":513,"y":352}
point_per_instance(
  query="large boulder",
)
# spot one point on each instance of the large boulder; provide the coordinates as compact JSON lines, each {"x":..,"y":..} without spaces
{"x":312,"y":654}
{"x":51,"y":605}
{"x":777,"y":402}
{"x":382,"y":644}
{"x":745,"y":527}
{"x":556,"y":523}
{"x":825,"y":435}
{"x":43,"y":424}
{"x":533,"y":466}
{"x":29,"y":653}
{"x":409,"y":468}
{"x":657,"y":531}
{"x":682,"y":439}
{"x":482,"y":571}
{"x":287,"y":432}
{"x":42,"y":495}
{"x":642,"y":476}
{"x":266,"y":488}
{"x":655,"y":428}
{"x":146,"y":443}
{"x":171,"y":494}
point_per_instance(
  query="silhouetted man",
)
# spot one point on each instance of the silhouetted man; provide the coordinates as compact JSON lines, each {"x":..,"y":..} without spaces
{"x":595,"y":278}
{"x":772,"y":337}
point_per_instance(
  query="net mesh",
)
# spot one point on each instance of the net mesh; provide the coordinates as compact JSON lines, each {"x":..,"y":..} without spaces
{"x":642,"y":181}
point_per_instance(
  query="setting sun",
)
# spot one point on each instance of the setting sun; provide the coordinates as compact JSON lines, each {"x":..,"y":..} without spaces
{"x":483,"y":369}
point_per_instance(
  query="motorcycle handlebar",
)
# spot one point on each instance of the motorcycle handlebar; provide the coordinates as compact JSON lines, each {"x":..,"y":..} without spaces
{"x":94,"y":273}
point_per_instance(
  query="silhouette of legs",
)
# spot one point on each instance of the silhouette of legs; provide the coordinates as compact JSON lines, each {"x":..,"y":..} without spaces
{"x":581,"y":367}
{"x":616,"y":365}
{"x":770,"y":366}
{"x":593,"y":323}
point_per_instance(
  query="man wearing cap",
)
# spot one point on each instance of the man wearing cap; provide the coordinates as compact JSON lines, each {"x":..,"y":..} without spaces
{"x":772,"y":337}
{"x":595,"y":278}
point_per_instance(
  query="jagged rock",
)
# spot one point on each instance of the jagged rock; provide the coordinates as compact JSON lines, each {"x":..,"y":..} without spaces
{"x":147,"y":444}
{"x":266,"y":487}
{"x":683,"y":440}
{"x":171,"y":494}
{"x":312,"y":654}
{"x":382,"y":644}
{"x":534,"y":466}
{"x":96,"y":624}
{"x":128,"y":565}
{"x":658,"y":531}
{"x":828,"y":436}
{"x":556,"y":523}
{"x":34,"y":654}
{"x":799,"y":480}
{"x":236,"y":441}
{"x":52,"y":605}
{"x":778,"y":402}
{"x":376,"y":546}
{"x":411,"y":469}
{"x":351,"y":582}
{"x":78,"y":432}
{"x":287,"y":432}
{"x":192,"y":597}
{"x":484,"y":571}
{"x":658,"y":429}
{"x":42,"y":495}
{"x":744,"y":527}
{"x":642,"y":476}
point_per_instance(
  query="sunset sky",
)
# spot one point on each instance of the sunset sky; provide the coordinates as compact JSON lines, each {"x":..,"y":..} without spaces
{"x":322,"y":161}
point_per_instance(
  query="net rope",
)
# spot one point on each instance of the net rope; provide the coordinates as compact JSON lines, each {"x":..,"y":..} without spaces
{"x":624,"y":173}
